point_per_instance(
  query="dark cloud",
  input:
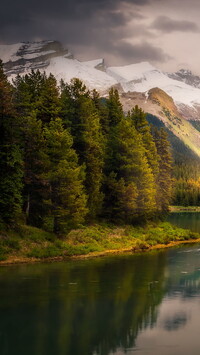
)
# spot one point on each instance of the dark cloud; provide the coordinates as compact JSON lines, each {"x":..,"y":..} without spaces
{"x":93,"y":27}
{"x":21,"y":21}
{"x":134,"y":53}
{"x":60,"y":9}
{"x":166,"y":24}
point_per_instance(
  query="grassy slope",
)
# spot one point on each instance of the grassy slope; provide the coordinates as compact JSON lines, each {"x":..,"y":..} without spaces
{"x":31,"y":244}
{"x":182,"y":128}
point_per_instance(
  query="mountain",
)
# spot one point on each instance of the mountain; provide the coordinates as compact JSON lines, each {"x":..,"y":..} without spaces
{"x":50,"y":56}
{"x":173,"y":98}
{"x":186,"y":76}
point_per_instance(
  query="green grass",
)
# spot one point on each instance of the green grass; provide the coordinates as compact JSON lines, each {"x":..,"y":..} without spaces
{"x":35,"y":243}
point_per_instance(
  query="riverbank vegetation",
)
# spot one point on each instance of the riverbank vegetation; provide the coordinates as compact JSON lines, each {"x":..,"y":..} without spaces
{"x":31,"y":244}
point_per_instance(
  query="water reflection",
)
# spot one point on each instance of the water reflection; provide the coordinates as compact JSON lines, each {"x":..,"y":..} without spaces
{"x":175,"y":321}
{"x":188,"y":220}
{"x":109,"y":306}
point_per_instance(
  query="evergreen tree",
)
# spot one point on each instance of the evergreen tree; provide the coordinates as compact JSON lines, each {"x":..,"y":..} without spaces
{"x":88,"y":140}
{"x":115,"y":110}
{"x":128,"y":173}
{"x":164,"y":179}
{"x":65,"y":178}
{"x":27,"y":92}
{"x":48,"y":105}
{"x":11,"y":166}
{"x":101,"y":105}
{"x":36,"y":186}
{"x":141,"y":124}
{"x":37,"y":94}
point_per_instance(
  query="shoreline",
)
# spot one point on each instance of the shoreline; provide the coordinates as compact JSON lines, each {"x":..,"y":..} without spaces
{"x":14,"y":260}
{"x":177,"y":209}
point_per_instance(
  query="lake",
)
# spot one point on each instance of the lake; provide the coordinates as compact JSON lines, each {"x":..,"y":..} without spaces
{"x":131,"y":304}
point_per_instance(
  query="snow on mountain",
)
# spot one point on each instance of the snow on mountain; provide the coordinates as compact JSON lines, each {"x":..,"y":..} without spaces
{"x":95,"y":63}
{"x":25,"y":56}
{"x":68,"y":69}
{"x":143,"y":76}
{"x":52,"y":57}
{"x":186,"y":76}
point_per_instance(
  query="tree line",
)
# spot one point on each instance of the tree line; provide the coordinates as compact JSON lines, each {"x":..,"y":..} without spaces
{"x":187,"y":182}
{"x":69,"y":156}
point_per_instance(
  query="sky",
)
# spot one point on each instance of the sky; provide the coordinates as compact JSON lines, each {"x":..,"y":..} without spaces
{"x":165,"y":33}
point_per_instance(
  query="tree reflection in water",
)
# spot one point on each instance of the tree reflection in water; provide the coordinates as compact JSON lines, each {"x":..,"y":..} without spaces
{"x":79,"y":308}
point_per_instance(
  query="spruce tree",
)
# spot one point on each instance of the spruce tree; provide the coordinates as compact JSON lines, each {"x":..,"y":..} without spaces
{"x":115,"y":110}
{"x":164,"y":180}
{"x":36,"y":186}
{"x":140,"y":122}
{"x":48,"y":105}
{"x":84,"y":123}
{"x":11,"y":165}
{"x":128,"y":173}
{"x":65,"y":177}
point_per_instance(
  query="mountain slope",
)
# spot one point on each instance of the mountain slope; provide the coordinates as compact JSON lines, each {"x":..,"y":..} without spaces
{"x":161,"y":105}
{"x":143,"y":76}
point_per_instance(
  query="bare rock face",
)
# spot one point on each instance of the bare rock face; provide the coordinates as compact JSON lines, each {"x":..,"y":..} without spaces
{"x":34,"y":55}
{"x":187,"y":77}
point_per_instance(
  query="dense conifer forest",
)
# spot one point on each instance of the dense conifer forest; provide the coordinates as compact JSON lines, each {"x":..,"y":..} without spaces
{"x":70,"y":157}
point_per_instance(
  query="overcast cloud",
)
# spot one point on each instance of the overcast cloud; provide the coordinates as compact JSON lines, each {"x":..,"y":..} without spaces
{"x":166,"y":33}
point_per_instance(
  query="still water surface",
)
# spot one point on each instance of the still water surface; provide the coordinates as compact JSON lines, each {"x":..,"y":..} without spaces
{"x":133,"y":304}
{"x":189,"y":220}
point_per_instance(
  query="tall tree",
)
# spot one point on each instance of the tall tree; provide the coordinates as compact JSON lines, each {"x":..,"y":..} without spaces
{"x":11,"y":165}
{"x":115,"y":110}
{"x":164,"y":179}
{"x":85,"y":127}
{"x":48,"y":105}
{"x":65,"y":177}
{"x":128,"y":173}
{"x":141,"y":124}
{"x":36,"y":186}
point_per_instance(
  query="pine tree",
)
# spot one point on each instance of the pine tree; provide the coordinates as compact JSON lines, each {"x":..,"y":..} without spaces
{"x":128,"y":173}
{"x":88,"y":140}
{"x":101,"y":105}
{"x":48,"y":105}
{"x":11,"y":166}
{"x":140,"y":122}
{"x":36,"y":186}
{"x":36,"y":93}
{"x":115,"y":110}
{"x":27,"y":92}
{"x":65,"y":177}
{"x":164,"y":179}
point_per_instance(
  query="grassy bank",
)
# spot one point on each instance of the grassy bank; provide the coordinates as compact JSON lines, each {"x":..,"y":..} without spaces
{"x":30,"y":244}
{"x":175,"y":209}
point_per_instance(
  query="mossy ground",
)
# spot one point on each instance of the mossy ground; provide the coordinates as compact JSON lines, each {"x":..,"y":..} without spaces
{"x":30,"y":242}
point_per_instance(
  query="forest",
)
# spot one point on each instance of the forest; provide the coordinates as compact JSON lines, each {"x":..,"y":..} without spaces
{"x":70,"y":157}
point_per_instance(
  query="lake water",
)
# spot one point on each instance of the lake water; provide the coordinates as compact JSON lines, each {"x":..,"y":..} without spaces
{"x":190,"y":220}
{"x":131,"y":304}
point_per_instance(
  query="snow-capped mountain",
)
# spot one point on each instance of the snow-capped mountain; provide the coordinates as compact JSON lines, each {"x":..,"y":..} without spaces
{"x":21,"y":57}
{"x":50,"y":56}
{"x":187,"y":77}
